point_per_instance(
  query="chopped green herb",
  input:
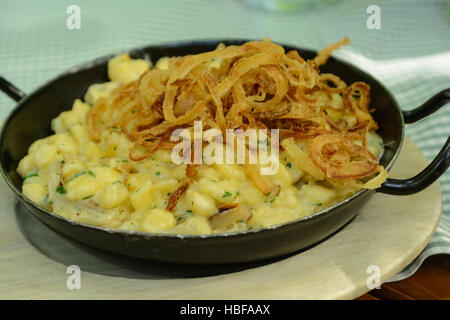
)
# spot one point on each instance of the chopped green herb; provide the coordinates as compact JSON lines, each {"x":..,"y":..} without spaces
{"x":133,"y":111}
{"x":188,"y":211}
{"x":115,"y":147}
{"x":29,"y":176}
{"x":289,"y":165}
{"x":315,"y":204}
{"x":226,"y":194}
{"x":88,"y":197}
{"x":124,"y":160}
{"x":61,"y":189}
{"x":157,"y":173}
{"x":271,"y":201}
{"x":91,"y":173}
{"x":238,"y":193}
{"x":79,"y":174}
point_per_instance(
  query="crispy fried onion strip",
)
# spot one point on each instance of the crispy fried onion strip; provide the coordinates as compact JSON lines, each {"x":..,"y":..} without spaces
{"x":357,"y":97}
{"x":177,"y":194}
{"x":325,"y":53}
{"x":263,"y":184}
{"x":229,"y":214}
{"x":377,"y":180}
{"x":301,"y":159}
{"x":254,"y":85}
{"x":332,"y":83}
{"x":339,"y":158}
{"x":256,"y":78}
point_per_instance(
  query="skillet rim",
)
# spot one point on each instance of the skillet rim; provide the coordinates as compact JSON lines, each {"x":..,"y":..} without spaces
{"x":185,"y":43}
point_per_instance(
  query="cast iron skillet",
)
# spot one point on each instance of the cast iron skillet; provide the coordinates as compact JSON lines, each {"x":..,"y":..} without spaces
{"x":30,"y":120}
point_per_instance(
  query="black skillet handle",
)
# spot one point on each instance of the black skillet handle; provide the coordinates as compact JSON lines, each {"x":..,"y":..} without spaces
{"x":437,"y":167}
{"x":12,"y":91}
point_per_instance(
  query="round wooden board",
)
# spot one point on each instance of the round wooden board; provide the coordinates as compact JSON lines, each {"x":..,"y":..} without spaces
{"x":388,"y":233}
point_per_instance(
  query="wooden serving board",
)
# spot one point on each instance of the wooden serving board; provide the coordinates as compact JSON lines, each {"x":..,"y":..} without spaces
{"x":388,"y":233}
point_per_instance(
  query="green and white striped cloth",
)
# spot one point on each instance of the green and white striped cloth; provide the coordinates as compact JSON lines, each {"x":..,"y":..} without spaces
{"x":410,"y":54}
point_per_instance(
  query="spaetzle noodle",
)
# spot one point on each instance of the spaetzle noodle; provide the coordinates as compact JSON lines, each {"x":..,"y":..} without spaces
{"x":109,"y":162}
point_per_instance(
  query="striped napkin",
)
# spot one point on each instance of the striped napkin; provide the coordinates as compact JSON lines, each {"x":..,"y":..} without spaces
{"x":409,"y":53}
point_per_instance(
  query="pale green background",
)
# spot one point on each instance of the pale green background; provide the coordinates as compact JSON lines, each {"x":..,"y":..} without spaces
{"x":410,"y":54}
